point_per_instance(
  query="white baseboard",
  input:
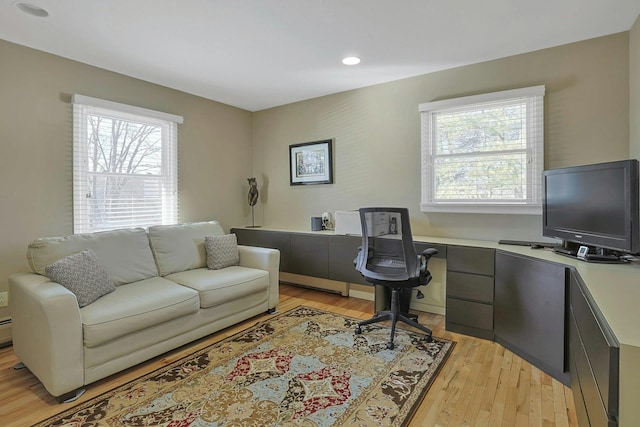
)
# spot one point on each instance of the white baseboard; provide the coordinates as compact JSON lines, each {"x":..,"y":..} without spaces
{"x":316,"y":282}
{"x":429,"y":308}
{"x":5,"y":331}
{"x":362,"y":294}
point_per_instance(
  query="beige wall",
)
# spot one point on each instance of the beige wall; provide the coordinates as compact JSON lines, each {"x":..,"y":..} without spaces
{"x":634,"y":90}
{"x":35,"y":148}
{"x":377,"y":135}
{"x":376,"y":132}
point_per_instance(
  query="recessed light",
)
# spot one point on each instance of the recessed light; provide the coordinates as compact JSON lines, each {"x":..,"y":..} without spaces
{"x":31,"y":9}
{"x":351,"y":60}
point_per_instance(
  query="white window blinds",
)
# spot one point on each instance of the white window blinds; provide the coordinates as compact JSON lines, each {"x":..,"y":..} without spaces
{"x":484,"y":153}
{"x":124,"y":166}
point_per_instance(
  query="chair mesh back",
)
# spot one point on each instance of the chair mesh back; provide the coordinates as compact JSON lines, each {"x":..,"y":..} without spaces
{"x":388,"y":253}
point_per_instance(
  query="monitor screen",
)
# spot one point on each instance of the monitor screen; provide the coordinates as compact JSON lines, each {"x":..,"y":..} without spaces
{"x":593,"y":205}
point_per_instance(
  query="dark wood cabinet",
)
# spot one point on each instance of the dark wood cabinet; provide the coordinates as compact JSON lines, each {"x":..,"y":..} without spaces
{"x":246,"y":237}
{"x":309,"y":255}
{"x":529,"y":311}
{"x":316,"y":256}
{"x":266,"y":239}
{"x":342,"y":251}
{"x":277,"y":240}
{"x":594,"y":360}
{"x":470,"y":287}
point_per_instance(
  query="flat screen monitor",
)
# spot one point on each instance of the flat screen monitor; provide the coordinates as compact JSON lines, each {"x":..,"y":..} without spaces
{"x":593,"y":205}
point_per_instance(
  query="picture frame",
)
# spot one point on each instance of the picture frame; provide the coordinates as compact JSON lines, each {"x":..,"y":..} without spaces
{"x":311,"y":163}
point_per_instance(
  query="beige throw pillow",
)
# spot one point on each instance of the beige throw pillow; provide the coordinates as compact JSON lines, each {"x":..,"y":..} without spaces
{"x":83,"y":275}
{"x":222,"y":251}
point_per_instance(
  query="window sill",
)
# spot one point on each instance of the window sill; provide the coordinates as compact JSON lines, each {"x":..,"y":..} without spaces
{"x":508,"y":209}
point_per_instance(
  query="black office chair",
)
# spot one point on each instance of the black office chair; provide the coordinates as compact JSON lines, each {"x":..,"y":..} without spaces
{"x":385,"y":259}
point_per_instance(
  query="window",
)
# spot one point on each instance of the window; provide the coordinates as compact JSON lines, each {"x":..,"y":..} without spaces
{"x":484,"y":153}
{"x":124,"y":166}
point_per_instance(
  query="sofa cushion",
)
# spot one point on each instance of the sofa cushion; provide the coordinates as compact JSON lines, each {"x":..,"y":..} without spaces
{"x":220,"y":286}
{"x":136,"y":306}
{"x":124,"y":254}
{"x":181,"y":247}
{"x":222,"y":251}
{"x":83,"y":275}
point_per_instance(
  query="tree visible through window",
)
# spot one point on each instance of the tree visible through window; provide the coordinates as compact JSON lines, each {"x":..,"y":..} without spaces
{"x":125,"y":167}
{"x":483,"y":153}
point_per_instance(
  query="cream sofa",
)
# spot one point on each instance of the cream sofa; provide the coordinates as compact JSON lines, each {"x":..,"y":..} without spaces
{"x":165,"y":296}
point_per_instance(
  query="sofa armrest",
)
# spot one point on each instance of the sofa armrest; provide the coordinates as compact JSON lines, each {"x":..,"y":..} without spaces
{"x":47,"y":331}
{"x":264,"y":259}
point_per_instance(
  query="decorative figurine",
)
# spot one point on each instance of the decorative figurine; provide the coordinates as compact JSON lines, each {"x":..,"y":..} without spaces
{"x":253,"y":199}
{"x":253,"y":191}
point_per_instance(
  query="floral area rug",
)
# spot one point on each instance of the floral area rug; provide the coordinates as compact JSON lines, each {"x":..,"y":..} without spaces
{"x":304,"y":367}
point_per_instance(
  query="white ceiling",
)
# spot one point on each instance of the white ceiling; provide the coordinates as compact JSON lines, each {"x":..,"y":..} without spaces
{"x":256,"y":54}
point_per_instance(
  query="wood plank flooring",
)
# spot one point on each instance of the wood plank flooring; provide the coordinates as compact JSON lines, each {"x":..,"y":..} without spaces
{"x":482,"y":383}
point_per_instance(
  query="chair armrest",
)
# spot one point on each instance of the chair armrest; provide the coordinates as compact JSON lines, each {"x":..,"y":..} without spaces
{"x":424,"y":274}
{"x":264,"y":259}
{"x":360,"y":260}
{"x":429,"y":252}
{"x":47,"y":331}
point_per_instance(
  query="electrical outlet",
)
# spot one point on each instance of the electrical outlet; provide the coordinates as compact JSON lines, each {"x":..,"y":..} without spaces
{"x":4,"y":299}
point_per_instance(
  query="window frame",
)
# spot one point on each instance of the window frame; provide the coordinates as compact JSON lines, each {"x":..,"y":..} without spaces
{"x":83,"y":107}
{"x":532,"y":205}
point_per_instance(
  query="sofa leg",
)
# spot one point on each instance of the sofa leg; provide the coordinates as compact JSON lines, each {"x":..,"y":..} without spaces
{"x":272,"y":310}
{"x":72,"y":396}
{"x":19,"y":366}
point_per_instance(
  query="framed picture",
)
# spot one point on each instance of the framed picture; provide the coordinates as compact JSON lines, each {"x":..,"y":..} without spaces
{"x":311,"y":163}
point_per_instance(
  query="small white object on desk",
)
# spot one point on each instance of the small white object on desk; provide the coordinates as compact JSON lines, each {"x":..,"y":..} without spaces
{"x":348,"y":222}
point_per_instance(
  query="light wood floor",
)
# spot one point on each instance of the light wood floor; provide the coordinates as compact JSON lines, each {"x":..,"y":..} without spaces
{"x":481,"y":384}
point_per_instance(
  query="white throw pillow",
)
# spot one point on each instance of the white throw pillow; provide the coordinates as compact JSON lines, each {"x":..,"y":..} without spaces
{"x":222,"y":251}
{"x":83,"y":275}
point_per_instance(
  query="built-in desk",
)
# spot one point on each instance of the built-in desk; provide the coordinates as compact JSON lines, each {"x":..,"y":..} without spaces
{"x":517,"y":296}
{"x":602,"y":336}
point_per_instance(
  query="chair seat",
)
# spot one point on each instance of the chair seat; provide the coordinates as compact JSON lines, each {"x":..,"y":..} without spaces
{"x":400,"y":284}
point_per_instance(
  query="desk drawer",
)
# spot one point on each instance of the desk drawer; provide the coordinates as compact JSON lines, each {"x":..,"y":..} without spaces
{"x":470,"y":286}
{"x":586,"y":393}
{"x":600,"y":345}
{"x":474,"y":314}
{"x":576,"y":389}
{"x":471,"y":260}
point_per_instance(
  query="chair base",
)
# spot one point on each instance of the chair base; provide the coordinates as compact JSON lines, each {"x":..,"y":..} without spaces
{"x":394,"y":315}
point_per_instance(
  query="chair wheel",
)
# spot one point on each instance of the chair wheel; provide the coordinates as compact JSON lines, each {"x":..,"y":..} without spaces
{"x":390,"y":346}
{"x":357,"y":330}
{"x":428,"y":338}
